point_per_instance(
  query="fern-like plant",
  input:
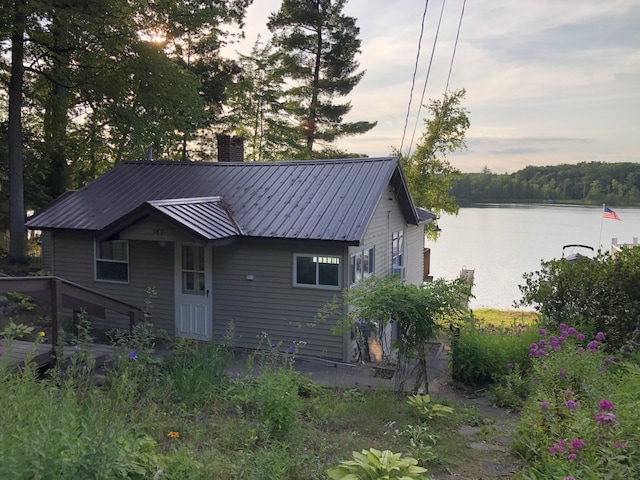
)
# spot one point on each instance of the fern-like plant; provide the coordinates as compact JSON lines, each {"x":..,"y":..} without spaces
{"x":374,"y":464}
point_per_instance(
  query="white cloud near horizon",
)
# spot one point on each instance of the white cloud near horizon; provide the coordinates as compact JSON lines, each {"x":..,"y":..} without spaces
{"x":548,"y":82}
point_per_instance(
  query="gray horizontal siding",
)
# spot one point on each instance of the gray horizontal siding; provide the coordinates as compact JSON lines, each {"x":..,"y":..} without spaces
{"x":414,"y":251}
{"x":150,"y":266}
{"x":269,"y":303}
{"x":387,"y":218}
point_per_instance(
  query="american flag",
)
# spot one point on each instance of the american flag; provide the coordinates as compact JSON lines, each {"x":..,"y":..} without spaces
{"x":608,"y":213}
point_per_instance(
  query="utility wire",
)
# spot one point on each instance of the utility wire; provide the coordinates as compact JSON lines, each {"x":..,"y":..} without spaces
{"x":413,"y":80}
{"x":455,"y":46}
{"x":426,"y":80}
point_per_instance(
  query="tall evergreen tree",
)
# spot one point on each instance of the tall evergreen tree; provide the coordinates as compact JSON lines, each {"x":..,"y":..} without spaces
{"x":319,"y":44}
{"x":257,"y":107}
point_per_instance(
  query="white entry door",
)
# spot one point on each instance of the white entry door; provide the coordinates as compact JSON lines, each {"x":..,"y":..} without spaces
{"x":193,"y":294}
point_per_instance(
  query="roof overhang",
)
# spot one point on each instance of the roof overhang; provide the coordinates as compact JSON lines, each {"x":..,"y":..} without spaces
{"x":207,"y":218}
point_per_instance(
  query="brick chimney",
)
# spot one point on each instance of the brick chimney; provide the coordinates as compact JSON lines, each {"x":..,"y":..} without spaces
{"x":230,"y":149}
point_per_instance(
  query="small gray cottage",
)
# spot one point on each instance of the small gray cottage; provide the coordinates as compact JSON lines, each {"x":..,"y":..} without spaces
{"x":264,"y":245}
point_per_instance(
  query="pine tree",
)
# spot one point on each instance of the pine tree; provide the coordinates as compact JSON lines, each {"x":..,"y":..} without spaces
{"x":319,"y":45}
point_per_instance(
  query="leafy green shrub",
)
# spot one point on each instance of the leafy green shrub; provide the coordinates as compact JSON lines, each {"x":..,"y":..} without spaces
{"x":511,"y":390}
{"x":484,"y":354}
{"x":599,"y":294}
{"x":374,"y":464}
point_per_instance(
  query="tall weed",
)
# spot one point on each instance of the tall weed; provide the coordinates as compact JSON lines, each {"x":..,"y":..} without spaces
{"x":481,"y":355}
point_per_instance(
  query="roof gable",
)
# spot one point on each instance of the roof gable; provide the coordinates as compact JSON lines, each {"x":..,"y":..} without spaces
{"x":319,"y":200}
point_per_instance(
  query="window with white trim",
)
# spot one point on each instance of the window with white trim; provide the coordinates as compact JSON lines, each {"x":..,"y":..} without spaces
{"x":112,"y":261}
{"x":316,"y":271}
{"x":361,"y":265}
{"x":397,"y":253}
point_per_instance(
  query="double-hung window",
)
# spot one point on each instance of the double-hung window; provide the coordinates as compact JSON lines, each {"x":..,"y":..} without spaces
{"x":361,"y":265}
{"x":112,"y":261}
{"x":319,"y":271}
{"x":397,"y":253}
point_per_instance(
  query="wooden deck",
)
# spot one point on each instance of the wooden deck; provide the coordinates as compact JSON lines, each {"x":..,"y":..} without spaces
{"x":17,"y":352}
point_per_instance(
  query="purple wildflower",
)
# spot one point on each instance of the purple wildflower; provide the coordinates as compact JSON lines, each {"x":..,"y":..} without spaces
{"x":606,"y":361}
{"x":557,"y":447}
{"x":509,"y":365}
{"x":544,"y":405}
{"x":563,"y":327}
{"x":605,"y":418}
{"x":571,"y":457}
{"x":292,"y":349}
{"x":542,"y":332}
{"x":571,"y":404}
{"x":562,"y":373}
{"x":592,"y":346}
{"x":568,"y":393}
{"x":606,"y":404}
{"x":1,"y":351}
{"x":133,"y":354}
{"x":600,"y":336}
{"x":620,"y":445}
{"x":577,"y":444}
{"x":542,"y":343}
{"x":572,"y":331}
{"x":580,"y":337}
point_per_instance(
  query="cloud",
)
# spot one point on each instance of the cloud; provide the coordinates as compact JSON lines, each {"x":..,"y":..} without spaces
{"x":547,"y":82}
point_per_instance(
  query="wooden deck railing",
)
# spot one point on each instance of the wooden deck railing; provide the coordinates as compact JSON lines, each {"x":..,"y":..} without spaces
{"x":60,"y":294}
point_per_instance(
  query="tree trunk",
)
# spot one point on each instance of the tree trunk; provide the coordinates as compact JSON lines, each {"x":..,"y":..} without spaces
{"x":315,"y":89}
{"x":17,"y":242}
{"x":55,"y":121}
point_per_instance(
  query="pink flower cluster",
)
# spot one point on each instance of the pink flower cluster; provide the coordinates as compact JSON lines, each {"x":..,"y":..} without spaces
{"x":605,"y":416}
{"x":544,"y":347}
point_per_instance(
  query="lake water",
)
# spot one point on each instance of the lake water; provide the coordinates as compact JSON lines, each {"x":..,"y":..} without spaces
{"x":502,"y":242}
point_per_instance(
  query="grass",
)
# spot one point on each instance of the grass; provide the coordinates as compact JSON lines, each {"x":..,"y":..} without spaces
{"x":505,"y":318}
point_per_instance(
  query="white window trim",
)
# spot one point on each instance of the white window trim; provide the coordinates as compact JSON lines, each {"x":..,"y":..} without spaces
{"x":398,"y":269}
{"x":96,"y":259}
{"x":372,"y":262}
{"x":317,"y":285}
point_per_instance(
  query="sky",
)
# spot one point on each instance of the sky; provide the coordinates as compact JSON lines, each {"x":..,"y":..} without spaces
{"x":547,"y":81}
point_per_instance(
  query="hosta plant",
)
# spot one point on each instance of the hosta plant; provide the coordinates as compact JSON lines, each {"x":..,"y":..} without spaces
{"x":426,"y":409}
{"x":373,"y":464}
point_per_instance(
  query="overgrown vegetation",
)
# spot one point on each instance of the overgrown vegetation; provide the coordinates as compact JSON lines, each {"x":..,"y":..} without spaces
{"x":196,"y":414}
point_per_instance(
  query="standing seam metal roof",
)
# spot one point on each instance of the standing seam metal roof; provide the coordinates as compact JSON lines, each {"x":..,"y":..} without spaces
{"x":320,"y":199}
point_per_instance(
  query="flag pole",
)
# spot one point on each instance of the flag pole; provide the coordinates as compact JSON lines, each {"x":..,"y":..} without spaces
{"x":601,"y":222}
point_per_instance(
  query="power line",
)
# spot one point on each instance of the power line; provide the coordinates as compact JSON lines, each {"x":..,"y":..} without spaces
{"x":413,"y":80}
{"x":426,"y":80}
{"x":455,"y":46}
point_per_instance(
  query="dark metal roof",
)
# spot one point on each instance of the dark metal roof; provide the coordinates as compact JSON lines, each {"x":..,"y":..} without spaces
{"x":207,"y":217}
{"x":425,"y":215}
{"x":319,"y":200}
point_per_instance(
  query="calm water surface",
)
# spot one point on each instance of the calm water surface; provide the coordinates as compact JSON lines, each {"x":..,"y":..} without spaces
{"x":501,"y":242}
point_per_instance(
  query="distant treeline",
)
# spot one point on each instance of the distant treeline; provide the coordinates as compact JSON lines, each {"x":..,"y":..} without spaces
{"x":585,"y":183}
